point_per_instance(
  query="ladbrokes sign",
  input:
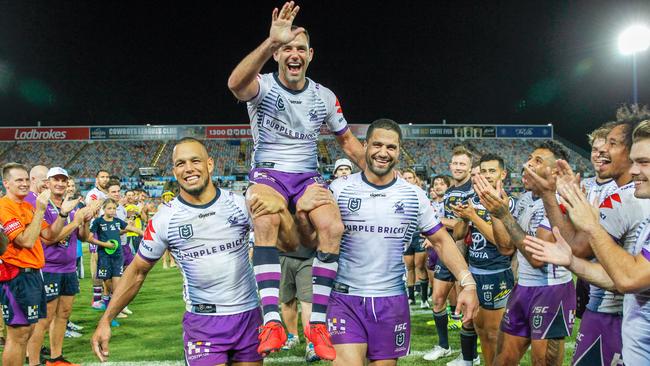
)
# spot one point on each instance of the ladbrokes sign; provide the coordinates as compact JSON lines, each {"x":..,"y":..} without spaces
{"x":44,"y":133}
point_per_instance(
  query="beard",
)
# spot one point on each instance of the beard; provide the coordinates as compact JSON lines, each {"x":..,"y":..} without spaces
{"x":380,"y":172}
{"x":196,"y":191}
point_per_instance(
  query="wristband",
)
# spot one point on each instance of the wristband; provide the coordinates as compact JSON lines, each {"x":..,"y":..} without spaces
{"x":469,"y":284}
{"x":464,"y":277}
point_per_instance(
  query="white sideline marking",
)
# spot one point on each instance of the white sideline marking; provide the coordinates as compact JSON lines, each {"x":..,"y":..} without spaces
{"x":273,"y":360}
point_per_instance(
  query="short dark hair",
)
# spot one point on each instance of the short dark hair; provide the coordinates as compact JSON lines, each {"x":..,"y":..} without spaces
{"x":188,"y":139}
{"x":114,"y":182}
{"x":493,"y":157}
{"x":629,"y":117}
{"x":102,"y":171}
{"x":558,"y":151}
{"x":10,"y":166}
{"x":445,"y":178}
{"x":294,"y":27}
{"x":386,"y":124}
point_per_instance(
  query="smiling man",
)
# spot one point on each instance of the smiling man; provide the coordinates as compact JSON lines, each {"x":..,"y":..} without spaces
{"x":205,"y":228}
{"x":22,"y":295}
{"x":369,"y":312}
{"x":287,"y":110}
{"x":599,"y":340}
{"x":625,"y":269}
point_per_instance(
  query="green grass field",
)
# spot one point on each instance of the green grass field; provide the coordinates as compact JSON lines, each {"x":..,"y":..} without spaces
{"x":153,"y":334}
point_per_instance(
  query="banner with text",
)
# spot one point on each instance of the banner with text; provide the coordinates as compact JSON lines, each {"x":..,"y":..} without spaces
{"x":143,"y":133}
{"x":228,"y":132}
{"x":44,"y":134}
{"x":146,"y":132}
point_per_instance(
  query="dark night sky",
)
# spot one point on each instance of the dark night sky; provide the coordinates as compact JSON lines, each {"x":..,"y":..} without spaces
{"x":81,"y":63}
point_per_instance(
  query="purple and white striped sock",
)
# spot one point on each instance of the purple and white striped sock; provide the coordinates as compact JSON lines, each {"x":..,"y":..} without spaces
{"x":323,"y":273}
{"x":266,"y":265}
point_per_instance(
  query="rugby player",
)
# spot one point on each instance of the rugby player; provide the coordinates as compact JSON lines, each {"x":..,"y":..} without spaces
{"x":597,"y":188}
{"x":22,"y":293}
{"x":415,"y":257}
{"x":444,"y":281}
{"x":439,"y":186}
{"x":488,"y":262}
{"x":206,"y":228}
{"x":98,"y":193}
{"x":286,"y":110}
{"x":540,"y":310}
{"x":368,"y":315}
{"x":625,"y":269}
{"x":599,"y":340}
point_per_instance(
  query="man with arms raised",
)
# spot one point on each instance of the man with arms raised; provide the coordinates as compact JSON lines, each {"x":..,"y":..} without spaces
{"x":287,"y":110}
{"x":599,"y":340}
{"x":541,"y":307}
{"x":488,"y":262}
{"x":369,"y":313}
{"x":626,"y":271}
{"x":23,"y":296}
{"x":205,"y":228}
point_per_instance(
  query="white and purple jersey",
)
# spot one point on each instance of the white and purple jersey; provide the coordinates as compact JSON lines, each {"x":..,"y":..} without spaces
{"x":598,"y":191}
{"x":620,"y":214}
{"x":286,"y":124}
{"x":636,"y":309}
{"x":530,"y":215}
{"x":379,"y":224}
{"x":439,"y":208}
{"x":95,"y":194}
{"x":210,"y":245}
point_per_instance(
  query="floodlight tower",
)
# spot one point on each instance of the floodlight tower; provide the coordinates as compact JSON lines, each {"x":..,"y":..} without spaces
{"x":631,"y":41}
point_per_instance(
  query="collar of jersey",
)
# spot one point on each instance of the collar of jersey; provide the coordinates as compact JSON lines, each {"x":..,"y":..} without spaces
{"x":363,"y":177}
{"x":277,"y":80}
{"x":206,"y":205}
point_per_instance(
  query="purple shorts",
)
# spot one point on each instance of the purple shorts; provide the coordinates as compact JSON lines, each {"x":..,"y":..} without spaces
{"x":127,"y":253}
{"x":220,"y":339}
{"x":383,"y":323}
{"x":599,"y":340}
{"x":290,"y":185}
{"x":540,"y":312}
{"x":22,"y":299}
{"x":432,"y":259}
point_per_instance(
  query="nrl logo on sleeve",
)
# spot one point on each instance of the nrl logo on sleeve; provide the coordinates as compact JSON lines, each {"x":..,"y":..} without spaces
{"x":186,"y":231}
{"x":354,"y":204}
